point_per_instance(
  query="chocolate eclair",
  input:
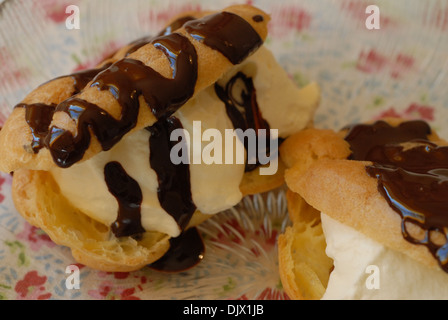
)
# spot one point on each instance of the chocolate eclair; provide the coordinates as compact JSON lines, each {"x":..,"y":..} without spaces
{"x":368,"y":206}
{"x":111,"y":169}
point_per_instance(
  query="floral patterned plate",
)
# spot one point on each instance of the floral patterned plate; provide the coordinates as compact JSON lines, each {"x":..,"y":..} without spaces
{"x":240,"y":261}
{"x":365,"y":74}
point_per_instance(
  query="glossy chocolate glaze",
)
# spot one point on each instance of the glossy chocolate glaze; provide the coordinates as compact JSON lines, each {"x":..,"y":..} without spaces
{"x":38,"y":116}
{"x":129,"y":79}
{"x":413,"y":180}
{"x":129,"y":197}
{"x":176,"y":24}
{"x":137,"y":44}
{"x":367,"y":141}
{"x":185,"y":252}
{"x":242,"y":109}
{"x":258,"y":18}
{"x":66,"y":148}
{"x":174,"y":190}
{"x":227,"y":33}
{"x":82,"y":78}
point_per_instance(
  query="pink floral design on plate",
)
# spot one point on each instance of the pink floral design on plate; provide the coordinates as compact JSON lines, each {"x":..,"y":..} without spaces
{"x":10,"y":74}
{"x":161,"y":17}
{"x":357,"y":10}
{"x":119,"y":285}
{"x":268,"y":294}
{"x":436,"y":16}
{"x":3,"y":179}
{"x":32,"y":287}
{"x":35,"y":237}
{"x":372,"y":61}
{"x":55,"y":9}
{"x":413,"y":111}
{"x":293,"y":18}
{"x":109,"y":49}
{"x":110,"y":291}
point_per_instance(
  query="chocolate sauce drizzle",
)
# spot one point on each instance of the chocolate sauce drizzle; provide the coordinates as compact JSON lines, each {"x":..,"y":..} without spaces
{"x":127,"y":80}
{"x":38,"y":116}
{"x":82,"y":78}
{"x":258,"y":18}
{"x":129,"y":197}
{"x":137,"y":44}
{"x":242,"y":109}
{"x":176,"y":24}
{"x":174,"y":190}
{"x":185,"y":252}
{"x":66,"y":148}
{"x":414,"y":181}
{"x":227,"y":33}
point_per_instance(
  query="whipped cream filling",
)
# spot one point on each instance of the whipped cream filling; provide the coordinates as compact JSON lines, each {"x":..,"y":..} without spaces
{"x":214,"y":187}
{"x":366,"y":269}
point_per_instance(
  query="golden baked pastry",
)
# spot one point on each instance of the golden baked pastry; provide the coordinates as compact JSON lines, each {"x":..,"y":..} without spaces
{"x":92,"y":153}
{"x":211,"y":65}
{"x":381,"y":189}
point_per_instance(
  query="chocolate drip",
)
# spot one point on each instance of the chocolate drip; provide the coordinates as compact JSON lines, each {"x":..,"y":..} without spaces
{"x":129,"y":197}
{"x":413,"y":179}
{"x":185,"y":252}
{"x":174,"y":190}
{"x":226,"y":32}
{"x":82,"y":78}
{"x":367,"y":141}
{"x":242,"y":109}
{"x":176,"y":24}
{"x":174,"y":180}
{"x":167,"y":96}
{"x":66,"y":148}
{"x":126,"y":79}
{"x":258,"y":18}
{"x":38,"y":116}
{"x":137,"y":44}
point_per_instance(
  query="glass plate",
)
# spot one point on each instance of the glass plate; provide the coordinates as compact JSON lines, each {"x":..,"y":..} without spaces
{"x":240,"y":260}
{"x":399,"y":69}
